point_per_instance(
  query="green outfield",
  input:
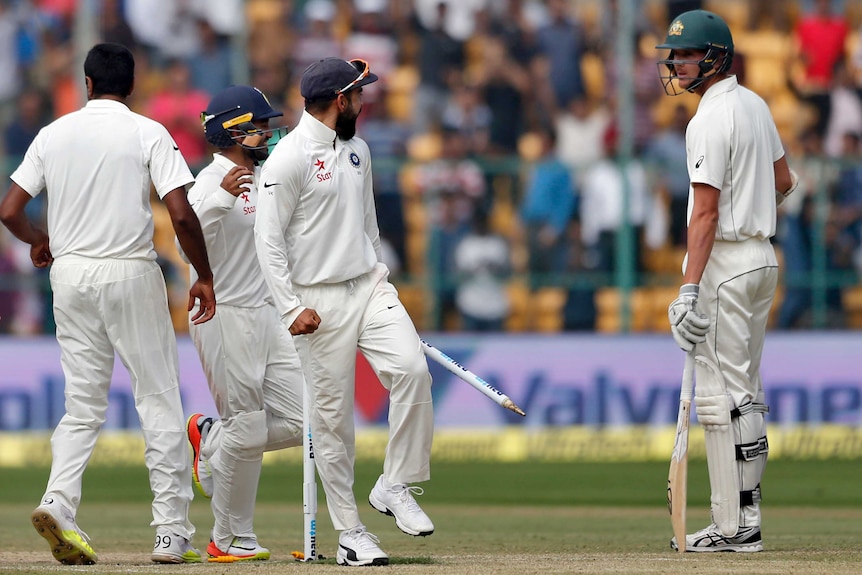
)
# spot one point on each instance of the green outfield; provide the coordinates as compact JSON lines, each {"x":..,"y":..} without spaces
{"x":508,"y":518}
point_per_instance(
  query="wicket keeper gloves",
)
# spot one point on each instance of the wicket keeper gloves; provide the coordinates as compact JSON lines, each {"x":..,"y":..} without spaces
{"x":688,"y":326}
{"x":794,"y":183}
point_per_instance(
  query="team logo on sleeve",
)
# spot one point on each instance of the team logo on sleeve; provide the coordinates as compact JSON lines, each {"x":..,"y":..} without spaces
{"x":354,"y":159}
{"x":699,"y":162}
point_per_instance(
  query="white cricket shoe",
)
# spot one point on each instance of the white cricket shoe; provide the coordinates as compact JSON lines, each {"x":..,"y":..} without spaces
{"x":398,"y":501}
{"x":709,"y":539}
{"x":241,"y":549}
{"x":172,"y":548}
{"x":357,"y":547}
{"x":69,"y":545}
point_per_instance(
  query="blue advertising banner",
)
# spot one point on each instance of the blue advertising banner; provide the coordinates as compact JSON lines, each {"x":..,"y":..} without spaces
{"x":560,"y":380}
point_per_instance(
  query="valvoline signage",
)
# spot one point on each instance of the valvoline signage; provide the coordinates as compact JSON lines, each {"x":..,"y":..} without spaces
{"x":559,"y":380}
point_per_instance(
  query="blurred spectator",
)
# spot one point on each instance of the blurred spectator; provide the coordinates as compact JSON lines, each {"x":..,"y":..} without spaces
{"x":794,"y":233}
{"x":113,"y":26}
{"x":581,"y":128}
{"x":371,"y":40}
{"x":10,"y":74}
{"x":549,"y":203}
{"x":819,"y":41}
{"x":504,"y":85}
{"x":211,"y":68}
{"x":387,"y":140}
{"x":512,"y":26}
{"x":167,"y":29}
{"x":482,"y":262}
{"x":467,"y":113}
{"x":318,"y":39}
{"x":846,"y":215}
{"x":31,"y":114}
{"x":440,"y":60}
{"x":451,"y":187}
{"x":665,"y":156}
{"x":603,"y":201}
{"x":845,"y":111}
{"x":178,"y":107}
{"x":562,"y":43}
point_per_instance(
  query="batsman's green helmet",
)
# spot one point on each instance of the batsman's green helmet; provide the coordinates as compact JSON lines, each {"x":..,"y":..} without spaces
{"x":699,"y":30}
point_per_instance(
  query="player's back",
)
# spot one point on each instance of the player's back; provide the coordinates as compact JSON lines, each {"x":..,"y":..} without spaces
{"x":96,"y":170}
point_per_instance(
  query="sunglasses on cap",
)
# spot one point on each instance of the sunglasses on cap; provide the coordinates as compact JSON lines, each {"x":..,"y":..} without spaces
{"x":362,"y":67}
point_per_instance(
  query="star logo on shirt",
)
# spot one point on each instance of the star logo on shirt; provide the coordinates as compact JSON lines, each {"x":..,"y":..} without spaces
{"x":319,"y":164}
{"x":244,"y":196}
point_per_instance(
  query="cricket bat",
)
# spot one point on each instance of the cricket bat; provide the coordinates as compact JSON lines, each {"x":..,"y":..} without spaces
{"x":677,"y":478}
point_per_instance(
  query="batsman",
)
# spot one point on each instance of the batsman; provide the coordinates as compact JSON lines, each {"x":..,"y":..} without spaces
{"x":739,"y":174}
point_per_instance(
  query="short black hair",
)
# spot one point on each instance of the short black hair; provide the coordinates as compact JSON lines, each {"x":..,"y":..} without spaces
{"x":111,"y":68}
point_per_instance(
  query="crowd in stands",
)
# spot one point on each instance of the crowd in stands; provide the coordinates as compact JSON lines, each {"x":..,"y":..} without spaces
{"x":499,"y":187}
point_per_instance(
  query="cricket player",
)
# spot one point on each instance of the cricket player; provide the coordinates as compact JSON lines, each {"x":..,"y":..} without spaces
{"x":319,"y":247}
{"x":738,"y":174}
{"x":248,"y":356}
{"x":97,"y":165}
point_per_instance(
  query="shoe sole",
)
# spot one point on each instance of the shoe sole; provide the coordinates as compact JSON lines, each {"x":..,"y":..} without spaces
{"x":751,"y":548}
{"x":194,"y":435}
{"x":385,"y":511}
{"x":235,"y":558}
{"x":174,"y":559}
{"x":376,"y":562}
{"x":64,"y":550}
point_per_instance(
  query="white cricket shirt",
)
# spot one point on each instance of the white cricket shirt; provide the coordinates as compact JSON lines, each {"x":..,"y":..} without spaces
{"x":732,"y":144}
{"x":316,"y":222}
{"x":97,"y":164}
{"x":228,"y":226}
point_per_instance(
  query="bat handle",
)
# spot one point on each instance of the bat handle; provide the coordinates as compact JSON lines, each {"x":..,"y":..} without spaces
{"x":685,"y":391}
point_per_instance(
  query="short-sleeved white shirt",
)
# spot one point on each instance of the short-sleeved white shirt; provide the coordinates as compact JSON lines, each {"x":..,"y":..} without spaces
{"x":316,"y":222}
{"x":731,"y":145}
{"x":227,"y":222}
{"x":97,"y":164}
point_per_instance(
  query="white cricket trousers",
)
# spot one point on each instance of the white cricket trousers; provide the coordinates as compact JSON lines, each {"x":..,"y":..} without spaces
{"x":253,"y":372}
{"x":107,"y":306}
{"x":736,"y":290}
{"x":364,"y":312}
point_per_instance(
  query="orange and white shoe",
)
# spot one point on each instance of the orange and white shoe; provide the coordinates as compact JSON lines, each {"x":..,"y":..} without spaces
{"x":241,"y":549}
{"x":197,"y":428}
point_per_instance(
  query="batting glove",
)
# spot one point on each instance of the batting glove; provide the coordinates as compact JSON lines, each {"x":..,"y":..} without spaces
{"x":688,"y":326}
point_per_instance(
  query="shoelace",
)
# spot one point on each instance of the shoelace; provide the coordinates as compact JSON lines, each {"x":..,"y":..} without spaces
{"x":67,"y":515}
{"x":406,"y":495}
{"x":364,"y":539}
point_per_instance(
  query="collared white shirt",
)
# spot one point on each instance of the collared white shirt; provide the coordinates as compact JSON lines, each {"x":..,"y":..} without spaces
{"x":316,"y":222}
{"x":227,"y":222}
{"x":97,"y":164}
{"x":732,"y":144}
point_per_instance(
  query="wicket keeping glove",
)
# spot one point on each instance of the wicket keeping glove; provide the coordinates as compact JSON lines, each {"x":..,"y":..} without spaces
{"x":688,"y":325}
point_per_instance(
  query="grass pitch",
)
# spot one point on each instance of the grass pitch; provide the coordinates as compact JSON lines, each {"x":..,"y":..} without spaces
{"x":490,"y":518}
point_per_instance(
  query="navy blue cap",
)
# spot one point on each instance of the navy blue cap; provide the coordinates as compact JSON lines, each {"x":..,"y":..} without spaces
{"x":231,"y":107}
{"x":324,"y":79}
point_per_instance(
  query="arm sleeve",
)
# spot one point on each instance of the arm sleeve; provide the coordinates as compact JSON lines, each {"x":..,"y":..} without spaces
{"x":372,"y":228}
{"x":168,"y":167}
{"x":30,"y":175}
{"x":275,"y":208}
{"x":706,"y":152}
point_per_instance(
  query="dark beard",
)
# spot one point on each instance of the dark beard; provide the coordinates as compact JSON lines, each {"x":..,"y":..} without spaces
{"x":345,"y":124}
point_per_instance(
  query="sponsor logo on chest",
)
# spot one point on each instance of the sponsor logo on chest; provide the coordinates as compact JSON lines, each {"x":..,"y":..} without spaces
{"x":322,"y":175}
